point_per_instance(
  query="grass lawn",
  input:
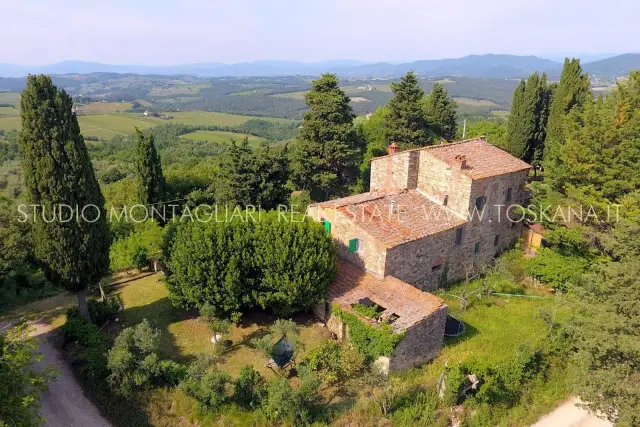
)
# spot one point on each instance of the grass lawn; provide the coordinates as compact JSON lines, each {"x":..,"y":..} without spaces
{"x":184,"y":336}
{"x":222,"y":137}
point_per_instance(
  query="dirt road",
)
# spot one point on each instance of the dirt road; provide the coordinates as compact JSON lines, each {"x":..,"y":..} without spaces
{"x":569,"y":415}
{"x":64,"y":404}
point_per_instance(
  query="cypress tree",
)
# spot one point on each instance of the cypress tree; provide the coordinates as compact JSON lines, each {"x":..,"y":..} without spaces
{"x":528,"y":119}
{"x":58,"y":171}
{"x":521,"y":122}
{"x":238,"y":179}
{"x":150,"y":180}
{"x":325,"y":160}
{"x":440,"y":112}
{"x":406,"y":122}
{"x":571,"y":92}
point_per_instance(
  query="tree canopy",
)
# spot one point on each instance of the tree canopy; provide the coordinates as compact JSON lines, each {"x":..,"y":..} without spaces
{"x":57,"y":171}
{"x":440,"y":112}
{"x":329,"y":149}
{"x":406,"y":122}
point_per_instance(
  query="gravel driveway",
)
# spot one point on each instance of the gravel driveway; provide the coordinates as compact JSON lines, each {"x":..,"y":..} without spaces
{"x":64,"y":404}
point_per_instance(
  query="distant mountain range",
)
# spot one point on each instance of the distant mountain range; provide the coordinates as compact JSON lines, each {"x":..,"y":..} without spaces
{"x":484,"y":66}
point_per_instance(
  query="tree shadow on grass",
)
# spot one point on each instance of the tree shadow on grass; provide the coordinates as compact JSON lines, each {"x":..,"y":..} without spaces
{"x":160,"y":314}
{"x":469,"y":332}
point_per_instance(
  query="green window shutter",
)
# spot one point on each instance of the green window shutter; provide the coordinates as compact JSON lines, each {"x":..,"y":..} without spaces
{"x":353,"y":245}
{"x":327,"y":226}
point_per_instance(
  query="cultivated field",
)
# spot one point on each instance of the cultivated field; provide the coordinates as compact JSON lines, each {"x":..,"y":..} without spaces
{"x":177,"y":90}
{"x":475,"y":102}
{"x":104,"y":107}
{"x":105,"y":126}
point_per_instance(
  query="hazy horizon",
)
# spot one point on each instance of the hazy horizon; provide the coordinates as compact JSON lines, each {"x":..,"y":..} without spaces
{"x":166,"y":32}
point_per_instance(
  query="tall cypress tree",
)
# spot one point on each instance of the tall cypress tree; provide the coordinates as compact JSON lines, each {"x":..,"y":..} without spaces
{"x":571,"y":92}
{"x":150,"y":180}
{"x":440,"y":112}
{"x":325,"y":160}
{"x":406,"y":122}
{"x":58,"y":171}
{"x":237,"y":175}
{"x":528,"y":118}
{"x":521,"y":122}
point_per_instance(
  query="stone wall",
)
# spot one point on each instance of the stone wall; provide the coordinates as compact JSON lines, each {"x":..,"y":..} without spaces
{"x":421,"y":342}
{"x":439,"y":180}
{"x":399,"y":171}
{"x":371,"y":257}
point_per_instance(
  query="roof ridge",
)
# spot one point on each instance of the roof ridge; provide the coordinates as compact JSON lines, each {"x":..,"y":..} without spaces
{"x":431,"y":147}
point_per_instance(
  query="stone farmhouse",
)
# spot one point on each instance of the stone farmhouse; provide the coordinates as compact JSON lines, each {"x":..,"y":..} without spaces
{"x":433,"y":215}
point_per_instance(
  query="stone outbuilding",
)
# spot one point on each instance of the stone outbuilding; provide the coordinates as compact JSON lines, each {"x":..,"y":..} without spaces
{"x":432,"y":215}
{"x":420,"y":316}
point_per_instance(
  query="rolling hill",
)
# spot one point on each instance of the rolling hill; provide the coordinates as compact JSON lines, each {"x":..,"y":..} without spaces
{"x":614,"y":67}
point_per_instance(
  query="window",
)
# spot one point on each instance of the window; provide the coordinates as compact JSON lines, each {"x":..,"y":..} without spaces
{"x":459,"y":235}
{"x":356,"y":245}
{"x":508,"y":198}
{"x":496,"y":240}
{"x":327,"y":225}
{"x":446,"y":200}
{"x":436,"y":267}
{"x":480,"y":201}
{"x":476,"y":248}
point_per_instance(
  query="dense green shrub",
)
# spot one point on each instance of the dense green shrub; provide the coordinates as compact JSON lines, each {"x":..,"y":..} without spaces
{"x":417,"y":410}
{"x":249,"y":388}
{"x":295,"y":262}
{"x":132,"y":360}
{"x":334,"y":362}
{"x":556,"y":270}
{"x":101,"y":311}
{"x":281,"y":265}
{"x":171,"y":373}
{"x":300,"y":406}
{"x":141,"y":244}
{"x":212,"y":263}
{"x":371,"y":340}
{"x":205,"y":383}
{"x":90,"y":345}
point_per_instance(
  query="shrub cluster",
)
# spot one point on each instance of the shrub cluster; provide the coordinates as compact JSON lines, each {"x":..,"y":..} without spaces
{"x":279,"y":265}
{"x":101,"y":311}
{"x":90,"y":345}
{"x":371,"y":341}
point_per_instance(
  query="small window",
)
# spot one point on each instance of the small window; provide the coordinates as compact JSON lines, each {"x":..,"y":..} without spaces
{"x":436,"y":267}
{"x":356,"y":245}
{"x":327,"y":225}
{"x":445,"y":202}
{"x":480,"y":201}
{"x":476,"y":248}
{"x":509,"y":193}
{"x":496,"y":240}
{"x":459,"y":235}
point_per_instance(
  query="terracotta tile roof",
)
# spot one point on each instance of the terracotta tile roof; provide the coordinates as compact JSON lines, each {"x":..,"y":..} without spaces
{"x":410,"y":304}
{"x":399,"y":217}
{"x":483,"y":159}
{"x":349,"y":200}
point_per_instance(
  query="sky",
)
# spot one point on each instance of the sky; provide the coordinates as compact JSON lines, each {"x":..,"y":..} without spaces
{"x":170,"y":32}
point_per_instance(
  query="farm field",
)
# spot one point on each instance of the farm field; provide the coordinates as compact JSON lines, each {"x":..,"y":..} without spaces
{"x":9,"y":98}
{"x":178,"y":90}
{"x":476,"y":102}
{"x":105,"y":126}
{"x":223,"y":137}
{"x":104,"y":107}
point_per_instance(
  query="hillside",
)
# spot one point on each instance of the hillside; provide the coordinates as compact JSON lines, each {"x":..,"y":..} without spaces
{"x":614,"y":67}
{"x":487,"y":66}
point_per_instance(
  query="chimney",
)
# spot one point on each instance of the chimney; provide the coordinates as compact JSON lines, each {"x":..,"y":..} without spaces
{"x":392,"y":148}
{"x":462,"y":160}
